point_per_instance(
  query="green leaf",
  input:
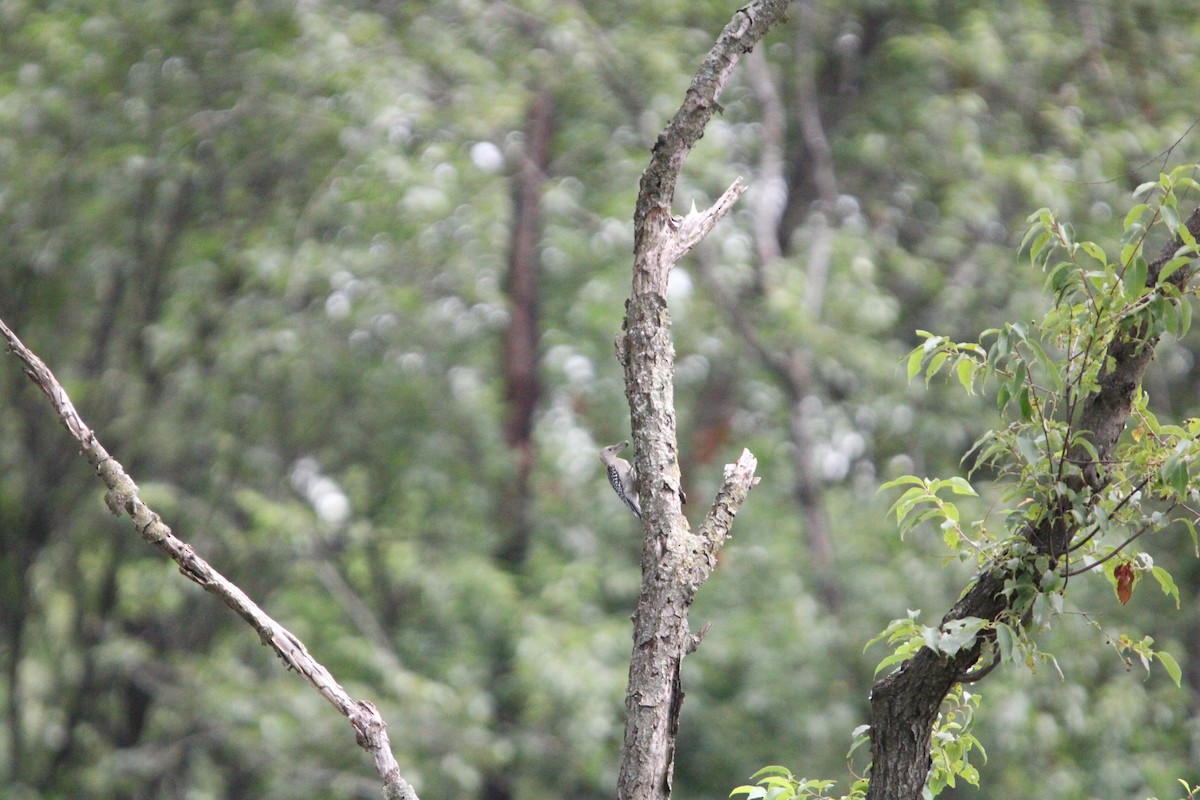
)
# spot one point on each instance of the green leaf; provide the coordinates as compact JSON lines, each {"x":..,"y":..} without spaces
{"x":1086,"y":443}
{"x":956,"y":634}
{"x":1094,"y":250}
{"x":1185,"y":236}
{"x":960,"y":485}
{"x":1051,"y":368}
{"x":914,"y":362}
{"x":1171,"y":666}
{"x":1135,"y":278}
{"x":982,"y":752}
{"x":935,"y":365}
{"x":1191,"y":527}
{"x":1059,"y":276}
{"x":903,"y":480}
{"x":859,"y":737}
{"x":1006,"y":642}
{"x":894,"y":658}
{"x":1025,"y":404}
{"x":907,"y":501}
{"x":951,"y":537}
{"x":1051,"y":581}
{"x":966,"y":370}
{"x":1172,"y":266}
{"x":1170,"y":215}
{"x":1174,"y":473}
{"x":1166,"y":582}
{"x":1136,"y":237}
{"x":1040,"y":237}
{"x":897,"y":628}
{"x":1028,"y":450}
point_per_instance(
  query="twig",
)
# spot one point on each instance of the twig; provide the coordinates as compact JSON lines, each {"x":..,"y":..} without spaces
{"x":1086,"y":568}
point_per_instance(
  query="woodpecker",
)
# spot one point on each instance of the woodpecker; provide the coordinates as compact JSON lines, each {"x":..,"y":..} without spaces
{"x":622,"y":475}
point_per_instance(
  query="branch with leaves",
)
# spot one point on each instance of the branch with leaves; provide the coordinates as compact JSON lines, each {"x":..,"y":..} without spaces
{"x":1081,"y":494}
{"x":122,"y":497}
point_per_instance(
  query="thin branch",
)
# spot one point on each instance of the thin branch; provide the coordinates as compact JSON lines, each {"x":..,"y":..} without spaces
{"x":657,"y":189}
{"x":696,"y":225}
{"x":739,"y":477}
{"x":1096,"y":528}
{"x":1087,"y":568}
{"x":770,"y":197}
{"x":122,"y":496}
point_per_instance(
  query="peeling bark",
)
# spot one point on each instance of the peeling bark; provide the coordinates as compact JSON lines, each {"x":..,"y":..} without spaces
{"x":675,"y":560}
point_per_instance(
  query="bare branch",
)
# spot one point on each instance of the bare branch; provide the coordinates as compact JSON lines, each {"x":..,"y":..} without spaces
{"x":653,"y":212}
{"x":771,"y":192}
{"x":122,"y":496}
{"x":696,"y":225}
{"x":675,"y":561}
{"x":739,"y":477}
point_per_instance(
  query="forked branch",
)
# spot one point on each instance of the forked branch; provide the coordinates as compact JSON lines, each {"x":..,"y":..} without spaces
{"x":675,"y":560}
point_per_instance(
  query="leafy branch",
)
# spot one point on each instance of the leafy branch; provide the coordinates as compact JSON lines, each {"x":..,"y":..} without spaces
{"x":1078,"y":494}
{"x":1073,"y":485}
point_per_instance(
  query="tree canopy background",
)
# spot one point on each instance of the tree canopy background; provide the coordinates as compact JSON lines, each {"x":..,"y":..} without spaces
{"x":281,"y":255}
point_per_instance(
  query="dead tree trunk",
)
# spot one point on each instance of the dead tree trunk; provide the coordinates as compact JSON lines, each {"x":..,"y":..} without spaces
{"x":675,"y":560}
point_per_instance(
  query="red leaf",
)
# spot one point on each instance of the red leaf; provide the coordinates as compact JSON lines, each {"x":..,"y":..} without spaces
{"x":1124,"y":575}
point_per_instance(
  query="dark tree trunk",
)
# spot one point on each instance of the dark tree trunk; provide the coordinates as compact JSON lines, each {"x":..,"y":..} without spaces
{"x":521,"y":338}
{"x":522,"y":393}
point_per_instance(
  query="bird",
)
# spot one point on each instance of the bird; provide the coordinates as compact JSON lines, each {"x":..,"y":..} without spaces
{"x":622,"y":475}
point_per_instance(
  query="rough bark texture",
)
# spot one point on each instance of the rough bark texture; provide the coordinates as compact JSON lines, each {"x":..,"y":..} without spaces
{"x":122,"y":496}
{"x":905,"y":704}
{"x":675,"y":561}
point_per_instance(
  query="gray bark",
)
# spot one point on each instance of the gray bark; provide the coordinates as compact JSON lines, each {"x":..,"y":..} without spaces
{"x":675,"y":560}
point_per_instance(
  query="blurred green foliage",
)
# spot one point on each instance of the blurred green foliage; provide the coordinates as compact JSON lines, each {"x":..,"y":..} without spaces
{"x":263,"y":245}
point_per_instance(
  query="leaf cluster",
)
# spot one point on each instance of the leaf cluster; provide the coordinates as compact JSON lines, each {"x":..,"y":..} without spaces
{"x":778,"y":783}
{"x":1047,"y":467}
{"x":1073,"y":504}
